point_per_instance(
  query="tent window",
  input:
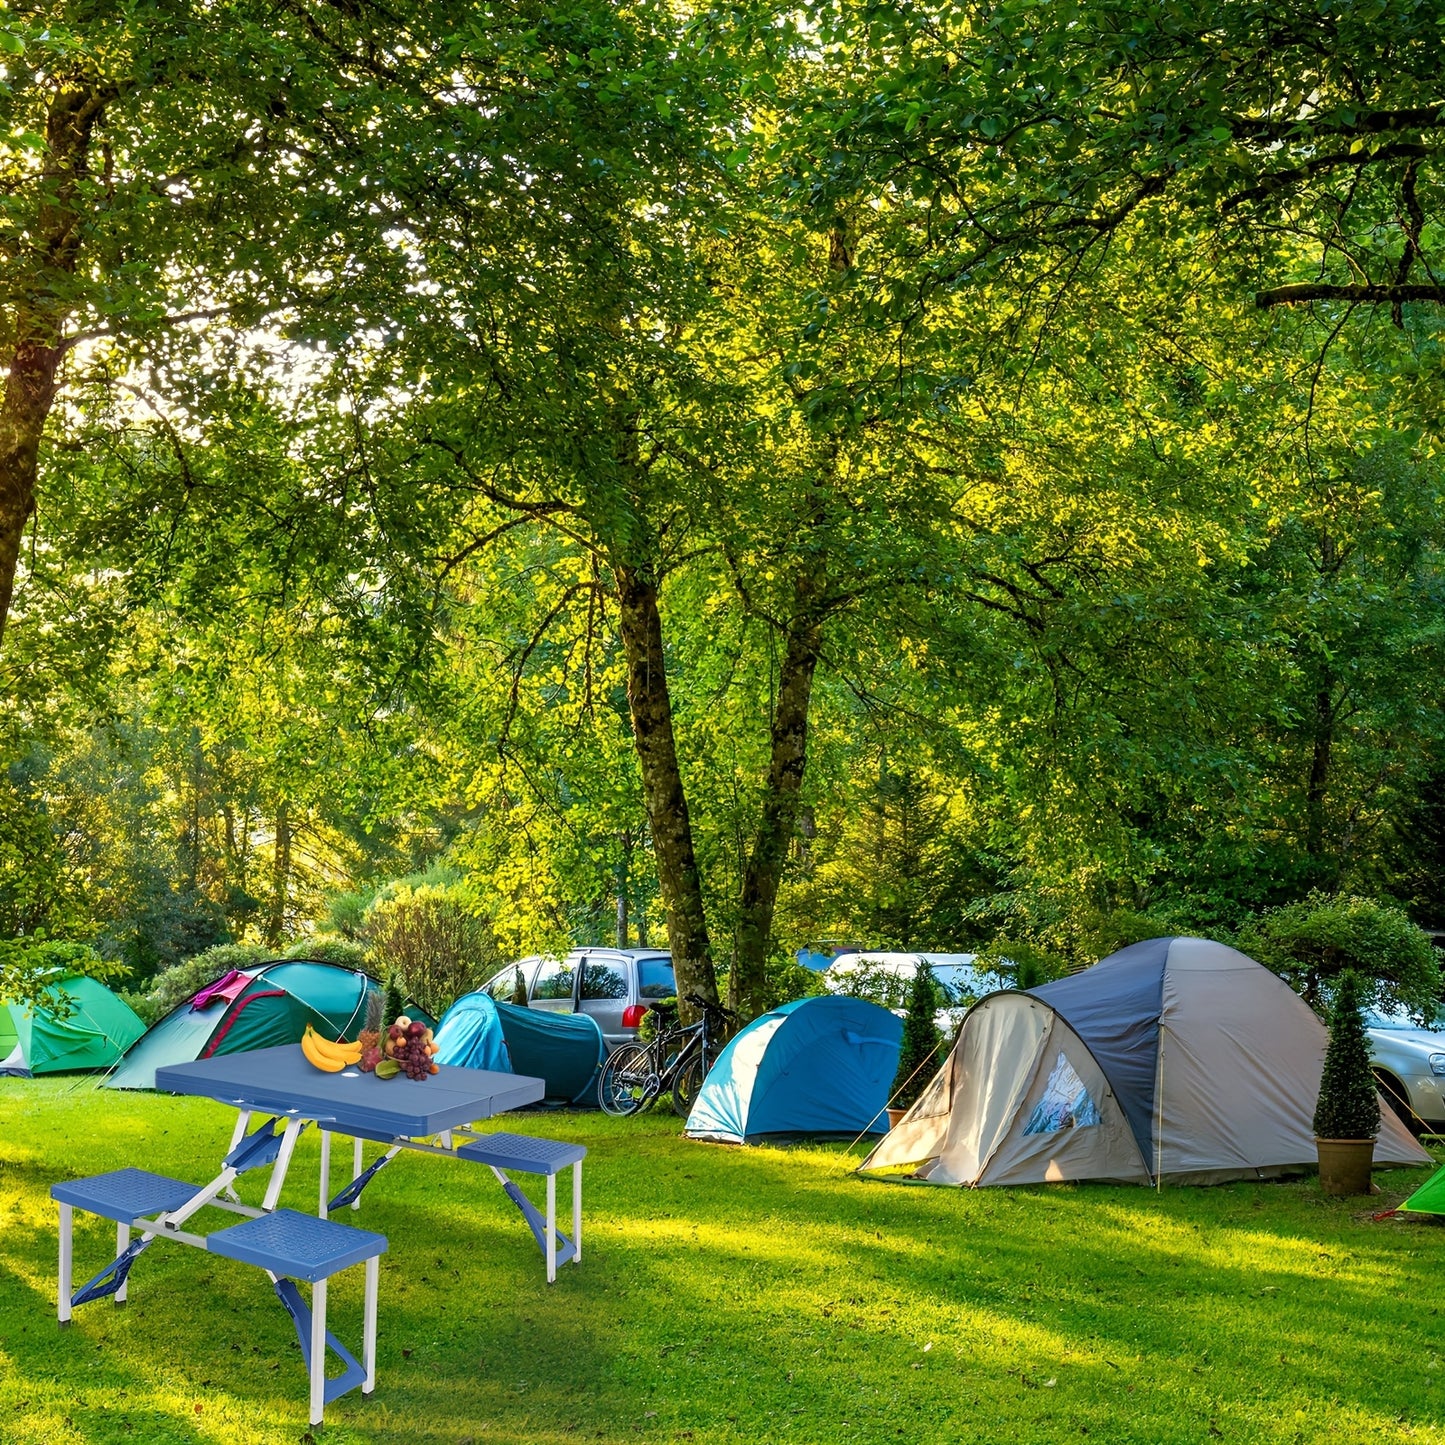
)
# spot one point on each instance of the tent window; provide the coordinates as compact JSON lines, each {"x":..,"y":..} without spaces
{"x":1066,"y":1104}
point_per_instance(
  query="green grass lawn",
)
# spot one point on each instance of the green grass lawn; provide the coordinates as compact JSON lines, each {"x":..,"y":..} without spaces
{"x":729,"y":1295}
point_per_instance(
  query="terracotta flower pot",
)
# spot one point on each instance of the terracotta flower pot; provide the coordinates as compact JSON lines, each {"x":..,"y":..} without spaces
{"x":895,"y":1117}
{"x":1345,"y":1165}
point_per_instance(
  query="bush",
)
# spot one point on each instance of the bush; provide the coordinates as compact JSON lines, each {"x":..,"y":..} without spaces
{"x":329,"y":948}
{"x":434,"y":940}
{"x":1349,"y":1106}
{"x":919,"y":1057}
{"x":29,"y":965}
{"x":1313,"y":943}
{"x":177,"y":984}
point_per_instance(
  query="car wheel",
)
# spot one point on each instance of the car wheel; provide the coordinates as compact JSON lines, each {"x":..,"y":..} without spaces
{"x":1399,"y":1102}
{"x":627,"y":1081}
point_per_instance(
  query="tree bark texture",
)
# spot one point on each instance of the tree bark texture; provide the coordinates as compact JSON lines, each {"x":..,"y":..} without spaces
{"x":650,"y":704}
{"x":748,"y":981}
{"x":280,"y":876}
{"x":40,"y":311}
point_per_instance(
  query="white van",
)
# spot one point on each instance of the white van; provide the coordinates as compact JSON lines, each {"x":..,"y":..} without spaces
{"x":886,"y":978}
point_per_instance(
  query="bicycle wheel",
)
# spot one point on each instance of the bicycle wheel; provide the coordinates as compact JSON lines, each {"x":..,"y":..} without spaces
{"x":686,"y":1084}
{"x":624,"y":1086}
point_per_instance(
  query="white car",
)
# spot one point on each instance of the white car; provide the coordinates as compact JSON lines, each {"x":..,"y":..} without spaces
{"x":1409,"y":1062}
{"x":886,"y":978}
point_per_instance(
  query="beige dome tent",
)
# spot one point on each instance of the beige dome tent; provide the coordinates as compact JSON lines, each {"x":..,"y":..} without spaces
{"x":1175,"y":1059}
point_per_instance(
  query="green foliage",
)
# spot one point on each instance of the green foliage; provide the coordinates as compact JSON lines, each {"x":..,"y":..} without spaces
{"x":29,"y":965}
{"x":331,"y":949}
{"x":393,"y":1000}
{"x":1023,"y":963}
{"x":661,"y":1015}
{"x":918,"y":1059}
{"x":1349,"y":1104}
{"x":1312,"y":944}
{"x":431,"y":939}
{"x":175,"y":985}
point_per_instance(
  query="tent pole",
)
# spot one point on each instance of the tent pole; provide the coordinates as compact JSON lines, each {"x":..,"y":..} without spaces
{"x":1159,"y":1119}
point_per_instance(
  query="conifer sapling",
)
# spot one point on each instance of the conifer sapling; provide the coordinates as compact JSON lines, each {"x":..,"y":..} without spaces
{"x":918,"y":1060}
{"x":1349,"y":1106}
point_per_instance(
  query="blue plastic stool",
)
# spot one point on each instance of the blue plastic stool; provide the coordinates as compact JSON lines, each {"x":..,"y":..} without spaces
{"x":292,"y":1246}
{"x":527,"y":1155}
{"x":123,"y":1195}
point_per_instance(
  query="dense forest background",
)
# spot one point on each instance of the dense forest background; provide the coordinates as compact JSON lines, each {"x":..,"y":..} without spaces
{"x":955,"y":476}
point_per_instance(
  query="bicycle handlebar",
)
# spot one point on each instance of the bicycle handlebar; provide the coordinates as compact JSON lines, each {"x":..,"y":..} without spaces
{"x":708,"y":1004}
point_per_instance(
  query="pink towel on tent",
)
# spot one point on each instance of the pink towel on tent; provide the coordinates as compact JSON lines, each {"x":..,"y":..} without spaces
{"x":226,"y":987}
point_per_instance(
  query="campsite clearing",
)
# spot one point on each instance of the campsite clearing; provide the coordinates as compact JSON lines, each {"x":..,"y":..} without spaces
{"x":732,"y":1295}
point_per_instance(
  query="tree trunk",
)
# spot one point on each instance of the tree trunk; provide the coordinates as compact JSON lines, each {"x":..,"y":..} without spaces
{"x":40,"y":318}
{"x":280,"y":877}
{"x":1324,"y":737}
{"x":650,"y":704}
{"x":748,"y":982}
{"x":624,"y":871}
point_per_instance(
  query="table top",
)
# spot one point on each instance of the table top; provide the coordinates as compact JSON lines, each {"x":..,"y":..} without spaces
{"x":281,"y":1080}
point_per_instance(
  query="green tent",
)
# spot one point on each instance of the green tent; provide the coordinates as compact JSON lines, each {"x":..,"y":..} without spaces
{"x":95,"y":1030}
{"x":251,"y":1008}
{"x":1429,"y":1198}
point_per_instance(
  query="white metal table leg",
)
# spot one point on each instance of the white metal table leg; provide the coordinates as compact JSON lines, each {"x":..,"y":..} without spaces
{"x":325,"y":1171}
{"x":122,"y":1242}
{"x":62,"y":1302}
{"x":318,"y":1351}
{"x":577,"y":1211}
{"x":282,"y":1164}
{"x":368,"y":1327}
{"x":551,"y":1228}
{"x":356,"y":1169}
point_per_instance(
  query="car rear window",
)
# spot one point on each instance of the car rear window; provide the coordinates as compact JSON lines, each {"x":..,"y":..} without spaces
{"x":654,"y":978}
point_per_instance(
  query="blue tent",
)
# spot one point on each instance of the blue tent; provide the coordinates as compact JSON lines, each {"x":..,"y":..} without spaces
{"x":470,"y":1035}
{"x":815,"y":1066}
{"x":564,"y":1050}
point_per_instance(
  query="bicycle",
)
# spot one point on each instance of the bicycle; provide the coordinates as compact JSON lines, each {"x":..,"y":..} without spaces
{"x":677,"y":1059}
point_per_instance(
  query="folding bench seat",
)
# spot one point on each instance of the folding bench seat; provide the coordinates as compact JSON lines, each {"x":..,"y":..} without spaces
{"x":528,"y":1155}
{"x":123,"y":1195}
{"x":290,"y":1247}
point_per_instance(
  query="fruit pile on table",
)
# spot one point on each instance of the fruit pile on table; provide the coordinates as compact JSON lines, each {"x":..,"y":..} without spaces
{"x":405,"y":1048}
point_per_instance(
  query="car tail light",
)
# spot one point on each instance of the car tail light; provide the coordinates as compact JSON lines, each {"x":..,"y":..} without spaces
{"x":632,"y":1015}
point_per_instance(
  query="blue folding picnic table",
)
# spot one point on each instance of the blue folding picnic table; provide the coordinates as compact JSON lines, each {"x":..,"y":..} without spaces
{"x":429,"y":1115}
{"x":425,"y":1115}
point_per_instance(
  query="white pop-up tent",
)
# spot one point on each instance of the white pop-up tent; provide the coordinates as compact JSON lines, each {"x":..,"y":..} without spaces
{"x":1175,"y":1059}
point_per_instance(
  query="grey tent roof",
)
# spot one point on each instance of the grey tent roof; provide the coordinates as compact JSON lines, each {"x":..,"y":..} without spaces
{"x":1114,"y":1007}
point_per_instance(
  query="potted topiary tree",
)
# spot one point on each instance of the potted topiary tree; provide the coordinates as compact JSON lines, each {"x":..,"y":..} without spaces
{"x":920,"y":1043}
{"x":1347,"y":1116}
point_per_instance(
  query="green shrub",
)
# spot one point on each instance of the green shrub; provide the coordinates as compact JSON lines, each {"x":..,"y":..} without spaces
{"x":1349,"y":1105}
{"x":1313,"y":943}
{"x":918,"y":1060}
{"x":331,"y":948}
{"x":434,"y":940}
{"x":661,"y":1015}
{"x":175,"y":985}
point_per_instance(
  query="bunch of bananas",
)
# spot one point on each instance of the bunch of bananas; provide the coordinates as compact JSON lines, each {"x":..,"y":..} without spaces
{"x":330,"y":1058}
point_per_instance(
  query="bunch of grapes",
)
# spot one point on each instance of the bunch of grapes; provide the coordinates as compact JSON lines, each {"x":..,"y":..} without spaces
{"x":409,"y":1044}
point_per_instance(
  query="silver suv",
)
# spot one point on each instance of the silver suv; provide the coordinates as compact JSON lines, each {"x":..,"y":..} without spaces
{"x":1409,"y":1063}
{"x":615,"y":985}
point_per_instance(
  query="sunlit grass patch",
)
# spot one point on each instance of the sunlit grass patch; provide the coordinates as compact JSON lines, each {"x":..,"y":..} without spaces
{"x":730,"y":1295}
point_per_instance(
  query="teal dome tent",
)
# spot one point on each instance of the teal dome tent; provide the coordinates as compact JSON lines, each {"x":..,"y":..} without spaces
{"x":815,"y":1066}
{"x":251,"y":1008}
